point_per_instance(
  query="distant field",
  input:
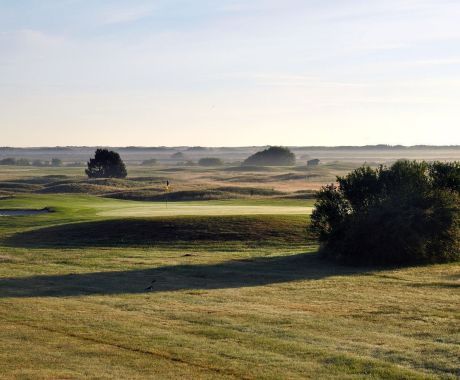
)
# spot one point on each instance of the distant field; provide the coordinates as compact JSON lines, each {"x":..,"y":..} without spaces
{"x":108,"y":288}
{"x":147,"y":182}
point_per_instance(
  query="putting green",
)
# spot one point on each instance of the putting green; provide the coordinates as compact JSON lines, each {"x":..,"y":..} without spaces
{"x":159,"y":209}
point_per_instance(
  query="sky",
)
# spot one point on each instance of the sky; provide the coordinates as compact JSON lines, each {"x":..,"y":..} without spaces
{"x":229,"y":72}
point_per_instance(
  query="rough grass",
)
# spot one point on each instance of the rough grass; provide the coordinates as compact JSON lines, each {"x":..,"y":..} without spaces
{"x":219,"y":193}
{"x":19,"y":187}
{"x":74,"y":188}
{"x":78,"y":304}
{"x":195,"y":313}
{"x":138,"y":188}
{"x":188,"y":183}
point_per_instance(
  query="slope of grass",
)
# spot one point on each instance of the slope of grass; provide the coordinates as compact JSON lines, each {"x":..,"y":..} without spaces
{"x":204,"y":194}
{"x":87,"y":207}
{"x":247,"y":230}
{"x":83,"y":295}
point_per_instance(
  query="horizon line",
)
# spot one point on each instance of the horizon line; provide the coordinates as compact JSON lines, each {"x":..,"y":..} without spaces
{"x":386,"y":146}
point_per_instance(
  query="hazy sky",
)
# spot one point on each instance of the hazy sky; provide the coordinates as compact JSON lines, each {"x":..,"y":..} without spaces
{"x":223,"y":72}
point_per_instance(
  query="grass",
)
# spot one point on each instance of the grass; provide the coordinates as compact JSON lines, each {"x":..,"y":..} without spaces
{"x":90,"y":291}
{"x":259,"y":313}
{"x":82,"y":207}
{"x":188,"y":183}
{"x":251,"y":230}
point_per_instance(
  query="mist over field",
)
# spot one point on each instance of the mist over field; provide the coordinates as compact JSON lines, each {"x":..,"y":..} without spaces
{"x":359,"y":154}
{"x":230,"y":189}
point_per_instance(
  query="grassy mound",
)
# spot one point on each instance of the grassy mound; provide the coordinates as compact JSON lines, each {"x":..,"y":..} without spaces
{"x":249,"y":168}
{"x":74,"y":188}
{"x":19,"y":187}
{"x":219,"y":193}
{"x":254,"y":230}
{"x":288,"y":177}
{"x":302,"y":194}
{"x":156,"y":195}
{"x":249,"y":190}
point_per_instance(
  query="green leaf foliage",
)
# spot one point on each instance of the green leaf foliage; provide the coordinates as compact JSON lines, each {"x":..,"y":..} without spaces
{"x":106,"y":164}
{"x":408,"y":213}
{"x":273,"y":156}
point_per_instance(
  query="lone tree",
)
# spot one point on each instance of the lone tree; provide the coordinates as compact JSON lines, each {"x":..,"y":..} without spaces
{"x":106,"y":164}
{"x":149,"y":162}
{"x":273,"y":156}
{"x":56,"y":162}
{"x":313,"y":163}
{"x":408,"y":213}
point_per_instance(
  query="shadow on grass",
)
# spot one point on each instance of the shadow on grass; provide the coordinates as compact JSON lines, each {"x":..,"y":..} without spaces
{"x":250,"y":229}
{"x":226,"y":275}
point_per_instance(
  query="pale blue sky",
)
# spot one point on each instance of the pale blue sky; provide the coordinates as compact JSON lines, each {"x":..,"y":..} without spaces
{"x":229,"y":72}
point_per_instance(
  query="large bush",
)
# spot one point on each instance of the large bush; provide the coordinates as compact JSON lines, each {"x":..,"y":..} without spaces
{"x":106,"y":164}
{"x":149,"y":162}
{"x":273,"y":156}
{"x":210,"y":161}
{"x":405,"y":214}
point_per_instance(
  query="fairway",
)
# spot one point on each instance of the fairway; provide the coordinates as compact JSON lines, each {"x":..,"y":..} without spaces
{"x":160,"y":209}
{"x":81,"y":206}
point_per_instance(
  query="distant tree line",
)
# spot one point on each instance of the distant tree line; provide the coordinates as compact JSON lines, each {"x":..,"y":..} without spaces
{"x":108,"y":164}
{"x":408,"y":213}
{"x":178,"y":156}
{"x":55,"y":162}
{"x":379,"y":147}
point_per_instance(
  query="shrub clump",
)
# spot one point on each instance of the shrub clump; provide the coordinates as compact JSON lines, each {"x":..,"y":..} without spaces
{"x":408,"y":213}
{"x":273,"y":156}
{"x":149,"y":162}
{"x":210,"y":161}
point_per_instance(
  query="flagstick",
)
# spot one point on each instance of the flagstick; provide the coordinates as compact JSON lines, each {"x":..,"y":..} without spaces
{"x":166,"y":193}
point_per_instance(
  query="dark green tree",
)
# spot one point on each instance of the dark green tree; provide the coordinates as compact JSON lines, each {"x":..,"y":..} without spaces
{"x":273,"y":156}
{"x":106,"y":164}
{"x":8,"y":161}
{"x":22,"y":162}
{"x":407,"y":213}
{"x":40,"y":163}
{"x":446,"y":175}
{"x":210,"y":161}
{"x":149,"y":162}
{"x":56,"y":162}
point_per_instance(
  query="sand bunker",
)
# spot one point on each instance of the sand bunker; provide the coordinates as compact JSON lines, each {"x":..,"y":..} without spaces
{"x":19,"y":212}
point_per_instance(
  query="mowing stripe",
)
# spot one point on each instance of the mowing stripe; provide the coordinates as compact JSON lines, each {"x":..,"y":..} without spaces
{"x":157,"y":354}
